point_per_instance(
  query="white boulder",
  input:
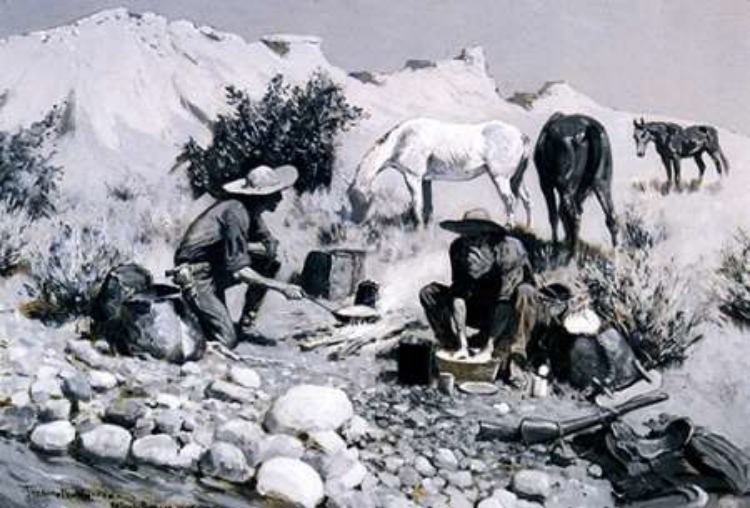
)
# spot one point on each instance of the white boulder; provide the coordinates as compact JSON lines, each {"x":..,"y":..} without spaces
{"x":290,"y":481}
{"x":159,"y":450}
{"x":309,"y":408}
{"x":53,"y":437}
{"x":106,"y":443}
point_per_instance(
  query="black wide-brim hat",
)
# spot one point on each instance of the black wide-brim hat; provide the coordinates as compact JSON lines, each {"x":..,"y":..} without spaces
{"x":474,"y":222}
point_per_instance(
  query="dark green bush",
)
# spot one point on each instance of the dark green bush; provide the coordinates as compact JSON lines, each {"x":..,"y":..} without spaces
{"x":28,"y":181}
{"x":296,"y":125}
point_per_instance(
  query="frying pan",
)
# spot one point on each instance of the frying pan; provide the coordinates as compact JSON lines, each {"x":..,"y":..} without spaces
{"x":348,"y":315}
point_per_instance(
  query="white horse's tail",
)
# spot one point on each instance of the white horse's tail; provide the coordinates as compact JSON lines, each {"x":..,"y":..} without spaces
{"x":516,"y":180}
{"x":374,"y":161}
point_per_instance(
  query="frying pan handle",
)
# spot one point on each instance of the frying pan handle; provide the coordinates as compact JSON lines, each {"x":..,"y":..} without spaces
{"x":318,"y":303}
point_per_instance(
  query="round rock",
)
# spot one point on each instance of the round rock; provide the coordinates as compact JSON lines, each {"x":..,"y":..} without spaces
{"x":125,"y":412}
{"x":356,"y":429}
{"x":245,"y":377}
{"x":446,"y":459}
{"x":290,"y":481}
{"x":101,"y":381}
{"x":279,"y":445}
{"x":159,"y":450}
{"x":77,"y":388}
{"x":424,"y":466}
{"x":531,"y":484}
{"x":54,"y":438}
{"x":309,"y":408}
{"x":244,"y":435}
{"x":226,"y":462}
{"x":17,"y":421}
{"x":106,"y":443}
{"x":190,"y":456}
{"x":169,"y":421}
{"x":229,"y":392}
{"x":45,"y":389}
{"x":54,"y":409}
{"x":345,"y":468}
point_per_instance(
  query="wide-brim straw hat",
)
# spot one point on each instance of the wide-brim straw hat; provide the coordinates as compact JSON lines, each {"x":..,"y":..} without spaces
{"x":263,"y":181}
{"x":474,"y":222}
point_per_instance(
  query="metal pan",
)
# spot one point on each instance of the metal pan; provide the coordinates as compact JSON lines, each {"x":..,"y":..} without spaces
{"x":349,"y":315}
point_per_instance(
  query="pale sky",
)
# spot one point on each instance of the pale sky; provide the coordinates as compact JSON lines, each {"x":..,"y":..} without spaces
{"x":685,"y":58}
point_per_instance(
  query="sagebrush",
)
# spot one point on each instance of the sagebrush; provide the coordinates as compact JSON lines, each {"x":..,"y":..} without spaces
{"x":734,"y":278}
{"x":297,"y":125}
{"x":658,"y":306}
{"x":66,"y":271}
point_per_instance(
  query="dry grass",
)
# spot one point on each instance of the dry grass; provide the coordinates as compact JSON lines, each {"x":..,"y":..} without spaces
{"x":659,"y":186}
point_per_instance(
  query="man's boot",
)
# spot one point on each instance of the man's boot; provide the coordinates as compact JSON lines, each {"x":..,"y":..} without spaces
{"x":248,"y":332}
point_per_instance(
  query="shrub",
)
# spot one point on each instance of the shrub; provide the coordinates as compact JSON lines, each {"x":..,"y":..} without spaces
{"x":296,"y":125}
{"x":13,"y":226}
{"x":65,"y":273}
{"x":734,"y":278}
{"x":28,"y":181}
{"x":637,"y":233}
{"x":659,"y":308}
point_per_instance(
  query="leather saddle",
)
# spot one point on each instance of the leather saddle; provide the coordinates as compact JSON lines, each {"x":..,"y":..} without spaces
{"x":628,"y":447}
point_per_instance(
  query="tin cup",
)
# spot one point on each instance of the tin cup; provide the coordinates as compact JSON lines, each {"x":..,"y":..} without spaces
{"x":447,"y":383}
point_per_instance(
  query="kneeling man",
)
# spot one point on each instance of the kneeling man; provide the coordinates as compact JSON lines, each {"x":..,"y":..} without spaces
{"x":214,"y":254}
{"x":493,"y":290}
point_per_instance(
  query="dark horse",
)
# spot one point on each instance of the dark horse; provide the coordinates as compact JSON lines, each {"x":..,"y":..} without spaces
{"x":573,"y":157}
{"x":674,"y":143}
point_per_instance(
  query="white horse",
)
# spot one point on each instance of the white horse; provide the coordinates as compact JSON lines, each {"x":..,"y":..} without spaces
{"x":423,"y":150}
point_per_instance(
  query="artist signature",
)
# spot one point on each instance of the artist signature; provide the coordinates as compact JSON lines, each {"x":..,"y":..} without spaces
{"x":115,"y":500}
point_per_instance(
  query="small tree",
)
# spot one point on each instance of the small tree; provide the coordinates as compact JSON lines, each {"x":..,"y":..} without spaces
{"x":296,"y":125}
{"x":28,"y":181}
